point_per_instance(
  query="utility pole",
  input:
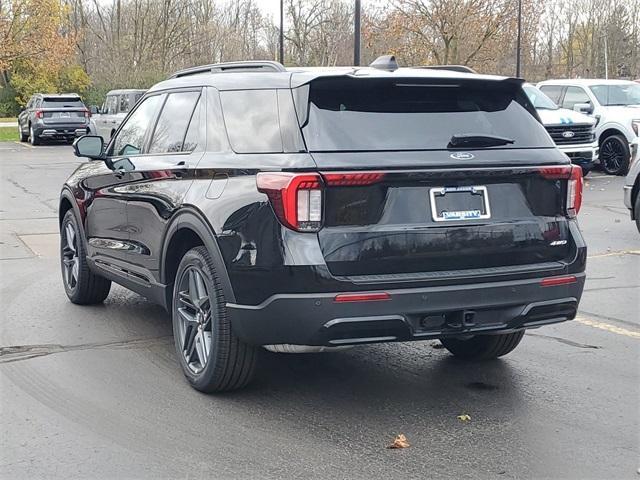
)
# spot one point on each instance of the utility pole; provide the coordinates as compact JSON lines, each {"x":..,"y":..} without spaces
{"x":281,"y":52}
{"x":356,"y":34}
{"x":606,"y":58}
{"x":518,"y":47}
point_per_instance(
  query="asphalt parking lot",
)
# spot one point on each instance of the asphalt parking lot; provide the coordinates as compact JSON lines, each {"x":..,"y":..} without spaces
{"x":96,"y":392}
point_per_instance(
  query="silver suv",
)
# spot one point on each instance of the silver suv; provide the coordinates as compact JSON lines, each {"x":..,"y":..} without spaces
{"x":53,"y":116}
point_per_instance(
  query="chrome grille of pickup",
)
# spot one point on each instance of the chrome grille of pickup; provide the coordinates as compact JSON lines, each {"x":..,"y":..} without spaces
{"x":570,"y":134}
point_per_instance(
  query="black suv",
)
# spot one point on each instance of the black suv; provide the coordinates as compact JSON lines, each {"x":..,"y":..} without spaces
{"x":301,"y":209}
{"x":53,"y":116}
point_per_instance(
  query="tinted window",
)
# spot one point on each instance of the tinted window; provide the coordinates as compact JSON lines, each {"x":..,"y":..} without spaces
{"x":574,"y":95}
{"x":58,"y":102}
{"x":251,"y":117}
{"x":346,"y":114}
{"x":172,"y":124}
{"x":553,"y":92}
{"x":130,"y":138}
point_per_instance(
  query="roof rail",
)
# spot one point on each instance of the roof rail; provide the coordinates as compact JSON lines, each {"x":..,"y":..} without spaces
{"x":230,"y":67}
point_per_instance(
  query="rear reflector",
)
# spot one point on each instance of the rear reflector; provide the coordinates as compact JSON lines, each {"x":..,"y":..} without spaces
{"x":362,"y":297}
{"x":554,"y":281}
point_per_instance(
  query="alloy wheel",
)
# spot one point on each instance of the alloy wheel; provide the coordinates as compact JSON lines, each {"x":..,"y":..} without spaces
{"x":70,"y":259}
{"x":194,"y":322}
{"x":612,"y":155}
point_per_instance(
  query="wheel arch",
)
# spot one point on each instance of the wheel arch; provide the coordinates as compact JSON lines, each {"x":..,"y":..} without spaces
{"x":187,"y":230}
{"x":68,"y":202}
{"x":609,"y":132}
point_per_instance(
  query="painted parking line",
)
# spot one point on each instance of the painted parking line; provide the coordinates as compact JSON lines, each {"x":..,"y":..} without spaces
{"x":617,"y":253}
{"x":22,"y":144}
{"x":607,"y":327}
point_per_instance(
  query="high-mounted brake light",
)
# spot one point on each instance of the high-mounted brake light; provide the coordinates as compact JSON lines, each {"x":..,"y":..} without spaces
{"x":572,"y":173}
{"x":297,"y":198}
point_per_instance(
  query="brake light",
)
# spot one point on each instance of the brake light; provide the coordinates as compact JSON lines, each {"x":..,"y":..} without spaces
{"x":87,"y":114}
{"x":297,"y":198}
{"x":39,"y":114}
{"x":572,"y":173}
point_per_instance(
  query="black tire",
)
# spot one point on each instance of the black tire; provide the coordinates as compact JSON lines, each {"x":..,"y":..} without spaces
{"x":33,"y":138}
{"x":615,"y":155}
{"x":199,"y":316}
{"x":483,"y":347}
{"x":23,"y":136}
{"x":83,"y":287}
{"x":636,"y":212}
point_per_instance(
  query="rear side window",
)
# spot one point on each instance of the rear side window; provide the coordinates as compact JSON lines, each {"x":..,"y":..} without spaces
{"x":130,"y":138}
{"x":124,"y":104}
{"x":251,"y":118}
{"x":171,"y":128}
{"x":62,"y":102}
{"x":346,"y":114}
{"x":553,"y":92}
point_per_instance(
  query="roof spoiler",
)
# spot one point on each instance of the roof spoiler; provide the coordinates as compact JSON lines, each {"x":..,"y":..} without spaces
{"x":230,"y":67}
{"x":452,"y":68}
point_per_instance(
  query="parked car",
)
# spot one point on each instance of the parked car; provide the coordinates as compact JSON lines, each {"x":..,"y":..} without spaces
{"x":53,"y":116}
{"x":304,"y":209}
{"x":632,"y":192}
{"x":106,"y":119}
{"x":616,"y":106}
{"x":573,"y":132}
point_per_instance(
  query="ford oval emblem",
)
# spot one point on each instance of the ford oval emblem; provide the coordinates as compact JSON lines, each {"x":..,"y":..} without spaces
{"x":462,"y":156}
{"x":568,"y":134}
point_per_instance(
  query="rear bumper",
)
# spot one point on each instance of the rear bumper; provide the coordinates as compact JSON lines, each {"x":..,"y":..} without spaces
{"x":409,"y":314}
{"x":62,"y":131}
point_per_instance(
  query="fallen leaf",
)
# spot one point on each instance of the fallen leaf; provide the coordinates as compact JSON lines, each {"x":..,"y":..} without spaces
{"x":464,"y":417}
{"x":400,"y":442}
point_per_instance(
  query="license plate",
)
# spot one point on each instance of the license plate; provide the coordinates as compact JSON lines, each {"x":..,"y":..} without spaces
{"x":64,"y":115}
{"x":459,"y":203}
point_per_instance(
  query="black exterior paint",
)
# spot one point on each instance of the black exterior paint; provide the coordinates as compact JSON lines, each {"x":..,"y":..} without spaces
{"x":130,"y":216}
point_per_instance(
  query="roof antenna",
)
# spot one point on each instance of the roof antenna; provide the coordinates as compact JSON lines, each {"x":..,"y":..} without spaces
{"x":385,"y":62}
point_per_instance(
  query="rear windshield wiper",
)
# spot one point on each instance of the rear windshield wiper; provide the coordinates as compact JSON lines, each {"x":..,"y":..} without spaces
{"x":476,"y":140}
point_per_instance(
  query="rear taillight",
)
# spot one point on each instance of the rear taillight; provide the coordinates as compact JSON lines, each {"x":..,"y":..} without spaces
{"x":87,"y":114}
{"x":297,"y":198}
{"x":39,"y":114}
{"x":573,"y":175}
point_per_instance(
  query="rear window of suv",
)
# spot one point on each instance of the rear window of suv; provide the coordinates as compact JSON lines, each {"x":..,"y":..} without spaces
{"x":346,"y":114}
{"x":58,"y":102}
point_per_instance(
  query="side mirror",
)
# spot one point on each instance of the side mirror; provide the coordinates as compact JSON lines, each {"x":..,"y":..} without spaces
{"x":93,"y":109}
{"x":90,"y":146}
{"x":583,"y":108}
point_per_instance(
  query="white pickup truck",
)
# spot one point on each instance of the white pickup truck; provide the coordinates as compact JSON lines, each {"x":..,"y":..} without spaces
{"x":615,"y":104}
{"x":106,"y":119}
{"x":572,"y":132}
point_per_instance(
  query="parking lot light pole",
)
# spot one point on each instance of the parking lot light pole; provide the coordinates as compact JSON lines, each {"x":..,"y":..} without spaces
{"x":356,"y":34}
{"x":518,"y":46}
{"x":281,"y":52}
